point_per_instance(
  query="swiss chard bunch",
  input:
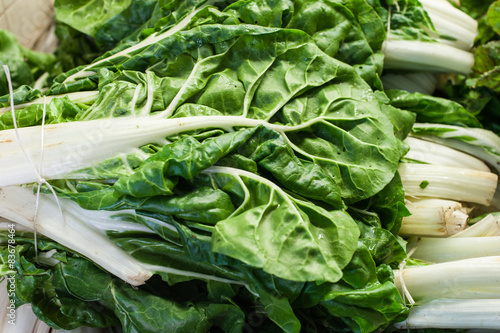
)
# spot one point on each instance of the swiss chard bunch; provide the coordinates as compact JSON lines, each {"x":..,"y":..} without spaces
{"x":227,"y":162}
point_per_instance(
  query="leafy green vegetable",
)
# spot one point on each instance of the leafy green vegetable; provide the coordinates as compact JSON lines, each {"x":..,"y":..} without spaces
{"x":234,"y":154}
{"x":486,"y":66}
{"x":431,"y":109}
{"x":111,"y":21}
{"x":24,"y":65}
{"x":478,"y":91}
{"x":493,"y":16}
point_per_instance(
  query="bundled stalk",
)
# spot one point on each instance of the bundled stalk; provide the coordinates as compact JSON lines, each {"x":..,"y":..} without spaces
{"x":437,"y":250}
{"x":486,"y":227}
{"x":475,"y":278}
{"x":433,"y":217}
{"x":460,"y":184}
{"x":437,"y":154}
{"x":444,"y":47}
{"x":454,"y":314}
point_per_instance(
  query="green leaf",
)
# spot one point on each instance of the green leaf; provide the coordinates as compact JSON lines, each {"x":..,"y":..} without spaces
{"x":493,"y":16}
{"x":486,"y":67}
{"x":365,"y":300}
{"x":88,"y":16}
{"x":273,"y":231}
{"x":431,"y":109}
{"x":12,"y":56}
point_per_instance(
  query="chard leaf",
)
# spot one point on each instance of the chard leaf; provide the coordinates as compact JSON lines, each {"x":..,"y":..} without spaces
{"x":475,"y":8}
{"x":493,"y":16}
{"x":273,"y":231}
{"x":486,"y":67}
{"x":20,"y":95}
{"x":78,"y":293}
{"x":333,"y":27}
{"x":365,"y":300}
{"x":204,"y":205}
{"x":409,"y":21}
{"x":323,"y":110}
{"x":187,"y":157}
{"x":430,"y":109}
{"x":74,"y":13}
{"x":58,"y":110}
{"x":11,"y":55}
{"x":269,"y":292}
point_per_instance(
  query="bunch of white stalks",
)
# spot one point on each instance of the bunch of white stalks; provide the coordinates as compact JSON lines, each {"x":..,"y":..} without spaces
{"x":451,"y":276}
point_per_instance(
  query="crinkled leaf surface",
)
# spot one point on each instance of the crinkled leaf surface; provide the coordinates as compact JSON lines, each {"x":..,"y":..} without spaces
{"x":274,"y":231}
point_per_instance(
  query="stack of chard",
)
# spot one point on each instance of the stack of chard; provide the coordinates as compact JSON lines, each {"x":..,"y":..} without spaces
{"x":238,"y":165}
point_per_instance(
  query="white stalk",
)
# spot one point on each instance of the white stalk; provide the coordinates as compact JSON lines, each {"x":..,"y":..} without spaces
{"x":433,"y":217}
{"x":481,"y":143}
{"x":467,"y":278}
{"x":17,"y":204}
{"x":454,"y":314}
{"x":459,"y":184}
{"x":450,"y":13}
{"x":447,"y":249}
{"x":434,"y":153}
{"x":486,"y":227}
{"x":77,"y":232}
{"x":452,"y":22}
{"x":426,"y":56}
{"x":75,"y":145}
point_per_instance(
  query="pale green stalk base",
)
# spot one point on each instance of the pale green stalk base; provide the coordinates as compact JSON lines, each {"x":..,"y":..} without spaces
{"x":459,"y":184}
{"x":454,"y":314}
{"x":433,"y":217}
{"x":452,"y":23}
{"x":437,"y":154}
{"x":18,"y":204}
{"x":468,"y":278}
{"x":426,"y":56}
{"x":486,"y":227}
{"x":439,"y":250}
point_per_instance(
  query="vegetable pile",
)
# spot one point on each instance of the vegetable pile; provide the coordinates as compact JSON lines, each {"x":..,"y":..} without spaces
{"x":195,"y":166}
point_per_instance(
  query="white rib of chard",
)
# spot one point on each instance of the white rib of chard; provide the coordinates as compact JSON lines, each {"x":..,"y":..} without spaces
{"x":76,"y":145}
{"x":467,"y":278}
{"x":454,"y":314}
{"x":18,"y":204}
{"x":150,"y":40}
{"x":486,"y":227}
{"x":426,"y":56}
{"x":434,"y":153}
{"x":78,"y":232}
{"x":459,"y":184}
{"x":447,"y":249}
{"x":457,"y":28}
{"x":433,"y":217}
